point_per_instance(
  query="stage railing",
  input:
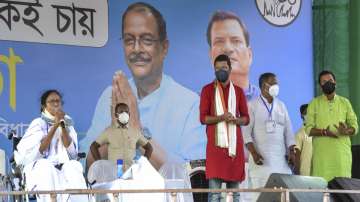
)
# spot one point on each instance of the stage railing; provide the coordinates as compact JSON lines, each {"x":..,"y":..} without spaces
{"x":285,"y":193}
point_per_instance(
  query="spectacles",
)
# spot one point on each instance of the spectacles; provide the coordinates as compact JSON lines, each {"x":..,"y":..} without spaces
{"x":143,"y":40}
{"x":54,"y":101}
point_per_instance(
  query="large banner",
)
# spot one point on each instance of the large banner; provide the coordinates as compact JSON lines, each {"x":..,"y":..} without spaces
{"x":76,"y":46}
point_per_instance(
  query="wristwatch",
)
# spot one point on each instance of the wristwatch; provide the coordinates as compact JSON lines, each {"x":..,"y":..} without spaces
{"x":146,"y":133}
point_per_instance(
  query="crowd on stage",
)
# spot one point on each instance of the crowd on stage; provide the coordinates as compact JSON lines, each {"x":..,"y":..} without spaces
{"x":243,"y":130}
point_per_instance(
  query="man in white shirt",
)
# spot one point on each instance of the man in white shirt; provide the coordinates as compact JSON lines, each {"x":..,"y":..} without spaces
{"x":269,"y":136}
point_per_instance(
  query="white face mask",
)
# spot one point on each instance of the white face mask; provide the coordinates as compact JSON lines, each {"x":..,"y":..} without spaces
{"x":274,"y":90}
{"x":123,"y":117}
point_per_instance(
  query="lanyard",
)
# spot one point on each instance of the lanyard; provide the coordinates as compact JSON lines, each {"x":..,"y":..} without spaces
{"x":267,"y":108}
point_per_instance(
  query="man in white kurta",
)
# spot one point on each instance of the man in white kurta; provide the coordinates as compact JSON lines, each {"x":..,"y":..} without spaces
{"x":270,"y":133}
{"x":56,"y":168}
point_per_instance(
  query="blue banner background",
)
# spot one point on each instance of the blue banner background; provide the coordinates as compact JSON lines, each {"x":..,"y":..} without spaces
{"x":82,"y":73}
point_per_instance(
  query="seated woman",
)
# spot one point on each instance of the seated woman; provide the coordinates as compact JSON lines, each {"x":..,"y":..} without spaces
{"x":48,"y":150}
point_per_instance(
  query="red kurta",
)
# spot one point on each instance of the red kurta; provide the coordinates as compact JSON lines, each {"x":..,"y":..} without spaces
{"x":218,"y":162}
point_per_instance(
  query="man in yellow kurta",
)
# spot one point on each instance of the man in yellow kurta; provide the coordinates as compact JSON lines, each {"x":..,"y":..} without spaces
{"x":331,"y":121}
{"x":304,"y":145}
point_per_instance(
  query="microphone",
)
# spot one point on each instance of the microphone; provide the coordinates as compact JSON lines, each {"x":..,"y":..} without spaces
{"x":11,"y":134}
{"x":62,"y":123}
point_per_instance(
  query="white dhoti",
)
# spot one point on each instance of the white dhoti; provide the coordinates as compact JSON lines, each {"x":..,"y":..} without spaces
{"x":42,"y":175}
{"x":274,"y":162}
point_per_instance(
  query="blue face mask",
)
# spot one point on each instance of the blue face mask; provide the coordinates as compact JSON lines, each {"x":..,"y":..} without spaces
{"x":222,"y":75}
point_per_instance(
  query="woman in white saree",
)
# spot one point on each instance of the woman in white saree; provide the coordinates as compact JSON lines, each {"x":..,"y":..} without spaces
{"x":48,"y":151}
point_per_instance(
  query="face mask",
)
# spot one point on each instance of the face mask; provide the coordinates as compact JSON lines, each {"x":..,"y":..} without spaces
{"x":222,"y":75}
{"x":328,"y":87}
{"x":274,"y":90}
{"x":123,"y":118}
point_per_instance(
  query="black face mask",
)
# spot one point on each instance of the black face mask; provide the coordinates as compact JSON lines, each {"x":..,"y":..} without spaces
{"x":328,"y":87}
{"x":222,"y":75}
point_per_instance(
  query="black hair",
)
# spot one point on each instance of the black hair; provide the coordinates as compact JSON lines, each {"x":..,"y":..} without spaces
{"x":221,"y":58}
{"x":45,"y":95}
{"x":325,"y":72}
{"x":145,"y":7}
{"x":303,"y":108}
{"x":121,"y":104}
{"x":265,"y":76}
{"x":222,"y":16}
